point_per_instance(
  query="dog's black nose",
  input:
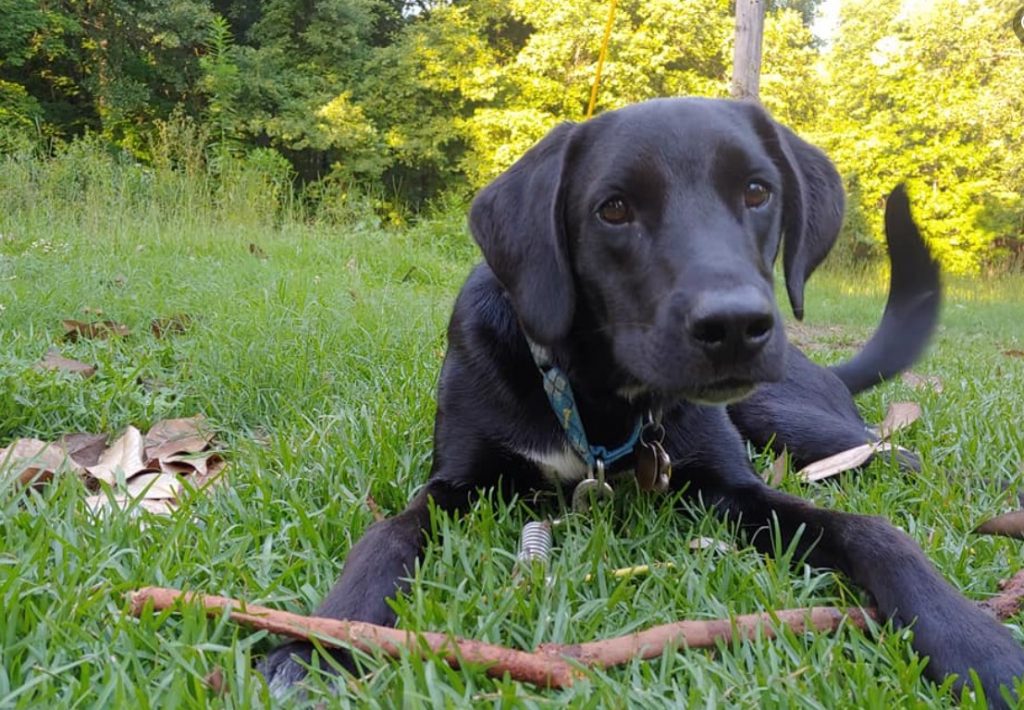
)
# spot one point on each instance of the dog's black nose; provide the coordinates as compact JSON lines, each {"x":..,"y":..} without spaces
{"x":732,"y":326}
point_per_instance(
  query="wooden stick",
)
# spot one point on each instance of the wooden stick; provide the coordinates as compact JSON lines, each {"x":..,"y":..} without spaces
{"x":541,"y":668}
{"x":655,"y":641}
{"x":1009,"y":600}
{"x":552,"y":665}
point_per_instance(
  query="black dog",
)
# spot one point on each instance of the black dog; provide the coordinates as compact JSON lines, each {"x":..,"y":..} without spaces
{"x":631,"y":257}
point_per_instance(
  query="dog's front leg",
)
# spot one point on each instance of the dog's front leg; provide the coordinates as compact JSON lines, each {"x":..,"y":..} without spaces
{"x":952,"y":632}
{"x":377,"y":568}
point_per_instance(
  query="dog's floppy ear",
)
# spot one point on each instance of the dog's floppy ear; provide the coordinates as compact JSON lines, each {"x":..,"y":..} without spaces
{"x":517,"y":220}
{"x":813,"y":208}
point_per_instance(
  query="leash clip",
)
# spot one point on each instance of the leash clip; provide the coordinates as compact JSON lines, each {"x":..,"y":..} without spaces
{"x":591,"y":489}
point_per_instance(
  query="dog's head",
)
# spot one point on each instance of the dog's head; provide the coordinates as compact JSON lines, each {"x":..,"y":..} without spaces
{"x":654,"y":228}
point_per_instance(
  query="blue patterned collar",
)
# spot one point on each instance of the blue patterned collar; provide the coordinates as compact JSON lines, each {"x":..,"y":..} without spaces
{"x":563,"y":402}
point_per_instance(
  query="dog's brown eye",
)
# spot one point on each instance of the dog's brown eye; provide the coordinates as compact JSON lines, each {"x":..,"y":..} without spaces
{"x":615,"y":211}
{"x":756,"y":195}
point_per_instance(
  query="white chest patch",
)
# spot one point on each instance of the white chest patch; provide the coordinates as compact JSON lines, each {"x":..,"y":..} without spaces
{"x":558,"y":465}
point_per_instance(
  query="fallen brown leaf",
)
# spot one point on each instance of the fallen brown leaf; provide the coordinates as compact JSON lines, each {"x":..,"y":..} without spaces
{"x":776,"y":474}
{"x":1007,"y":525}
{"x":177,"y":436}
{"x":190,"y":464}
{"x":1013,"y":353}
{"x":177,"y":468}
{"x":53,"y":360}
{"x":160,"y":506}
{"x":214,"y":680}
{"x":214,"y":475}
{"x":35,"y":461}
{"x":85,"y":449}
{"x":149,"y":483}
{"x":843,"y":461}
{"x":154,"y":486}
{"x":75,"y":329}
{"x":375,"y":510}
{"x":912,"y":379}
{"x":125,"y":456}
{"x":900,"y":416}
{"x":170,"y":325}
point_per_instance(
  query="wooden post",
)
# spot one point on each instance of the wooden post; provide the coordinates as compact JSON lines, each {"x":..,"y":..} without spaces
{"x":746,"y":64}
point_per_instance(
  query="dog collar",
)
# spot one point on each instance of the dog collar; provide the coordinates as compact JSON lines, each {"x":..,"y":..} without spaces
{"x":563,"y":402}
{"x":651,"y":464}
{"x":559,"y":392}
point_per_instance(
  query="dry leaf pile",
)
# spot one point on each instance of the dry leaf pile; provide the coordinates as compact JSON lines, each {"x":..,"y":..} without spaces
{"x":147,"y":471}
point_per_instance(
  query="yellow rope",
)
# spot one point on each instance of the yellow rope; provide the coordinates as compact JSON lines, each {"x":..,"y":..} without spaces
{"x":600,"y":58}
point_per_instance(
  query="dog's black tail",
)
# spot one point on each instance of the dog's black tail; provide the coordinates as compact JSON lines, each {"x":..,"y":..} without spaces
{"x":912,"y":311}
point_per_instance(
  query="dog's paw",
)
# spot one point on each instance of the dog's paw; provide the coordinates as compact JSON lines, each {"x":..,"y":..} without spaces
{"x":907,"y":460}
{"x":974,"y":642}
{"x":1000,"y":668}
{"x":288,"y":665}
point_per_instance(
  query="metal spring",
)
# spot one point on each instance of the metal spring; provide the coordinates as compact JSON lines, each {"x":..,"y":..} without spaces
{"x":535,"y":542}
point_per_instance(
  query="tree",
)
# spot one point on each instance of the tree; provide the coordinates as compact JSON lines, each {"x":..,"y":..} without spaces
{"x":746,"y":66}
{"x":937,"y":104}
{"x":792,"y":85}
{"x":657,"y":48}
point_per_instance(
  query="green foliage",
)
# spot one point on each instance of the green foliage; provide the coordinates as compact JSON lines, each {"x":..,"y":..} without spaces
{"x":360,"y":149}
{"x":806,"y":9}
{"x":657,"y":48}
{"x":792,"y":88}
{"x":42,"y":70}
{"x":222,"y":83}
{"x":17,"y":109}
{"x":935,"y":103}
{"x":410,"y":100}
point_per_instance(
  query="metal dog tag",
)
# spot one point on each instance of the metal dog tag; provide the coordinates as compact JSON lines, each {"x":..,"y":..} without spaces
{"x":652,"y":467}
{"x":664,"y":468}
{"x":646,"y":465}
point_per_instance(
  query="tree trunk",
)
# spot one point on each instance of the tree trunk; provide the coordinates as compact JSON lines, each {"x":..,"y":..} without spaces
{"x":746,"y":67}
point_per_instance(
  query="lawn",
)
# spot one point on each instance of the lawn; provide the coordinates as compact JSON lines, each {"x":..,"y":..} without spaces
{"x":314,"y":350}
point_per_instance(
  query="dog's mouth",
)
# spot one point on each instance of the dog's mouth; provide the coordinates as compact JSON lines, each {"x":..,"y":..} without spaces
{"x":722,"y":392}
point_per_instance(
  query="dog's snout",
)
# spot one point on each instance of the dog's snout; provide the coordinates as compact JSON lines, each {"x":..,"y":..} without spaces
{"x":732,"y":326}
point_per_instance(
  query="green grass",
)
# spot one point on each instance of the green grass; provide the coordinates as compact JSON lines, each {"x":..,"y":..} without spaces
{"x":317,"y":366}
